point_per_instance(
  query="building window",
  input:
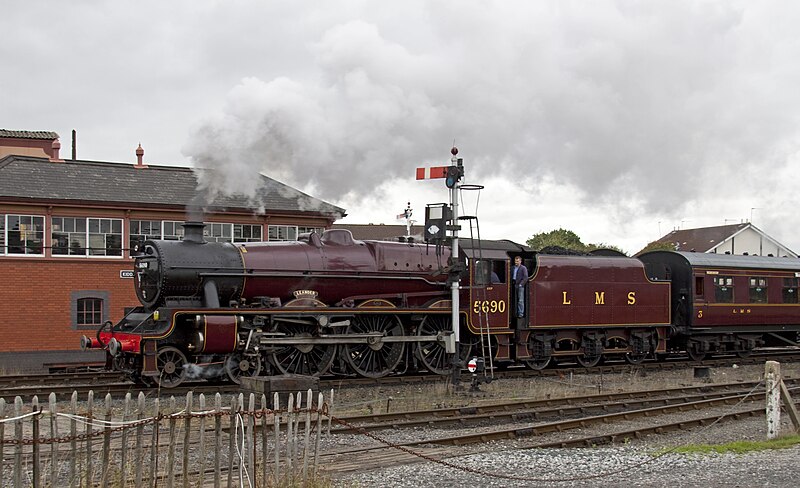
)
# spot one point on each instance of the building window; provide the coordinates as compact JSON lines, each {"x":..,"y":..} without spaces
{"x":305,"y":230}
{"x":173,"y":230}
{"x":87,"y":236}
{"x":247,"y":233}
{"x":216,"y":232}
{"x":22,"y":234}
{"x":758,"y":290}
{"x":790,"y":290}
{"x":142,"y":230}
{"x":282,"y":233}
{"x":723,"y":289}
{"x":89,"y":309}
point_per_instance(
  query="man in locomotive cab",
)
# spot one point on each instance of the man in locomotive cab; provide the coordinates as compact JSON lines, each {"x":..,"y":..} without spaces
{"x":519,"y":276}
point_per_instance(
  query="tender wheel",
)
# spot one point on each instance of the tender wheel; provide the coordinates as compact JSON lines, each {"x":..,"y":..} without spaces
{"x":635,"y":358}
{"x":538,"y":364}
{"x":171,"y":364}
{"x":238,"y":365}
{"x":375,"y":359}
{"x":588,"y":361}
{"x":305,"y":359}
{"x":432,"y":354}
{"x":695,"y":354}
{"x":744,"y":353}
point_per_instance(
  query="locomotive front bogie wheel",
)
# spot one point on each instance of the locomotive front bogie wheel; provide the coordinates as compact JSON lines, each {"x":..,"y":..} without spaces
{"x":171,"y":364}
{"x":238,"y":365}
{"x":304,"y":359}
{"x":375,"y":358}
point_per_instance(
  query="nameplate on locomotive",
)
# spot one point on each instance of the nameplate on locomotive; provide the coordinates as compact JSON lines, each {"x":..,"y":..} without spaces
{"x":305,"y":294}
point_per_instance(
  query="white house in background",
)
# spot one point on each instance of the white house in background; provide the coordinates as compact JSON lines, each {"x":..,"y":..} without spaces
{"x":743,"y":238}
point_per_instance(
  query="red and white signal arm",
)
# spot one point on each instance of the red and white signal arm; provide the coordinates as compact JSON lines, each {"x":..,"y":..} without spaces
{"x":432,"y":173}
{"x":472,"y":365}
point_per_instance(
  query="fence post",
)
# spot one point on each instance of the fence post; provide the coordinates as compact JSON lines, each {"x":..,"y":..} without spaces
{"x":106,"y":468}
{"x":36,"y":448}
{"x":171,"y":448}
{"x":264,"y":439}
{"x":154,"y":442}
{"x":232,"y":438}
{"x":289,"y":430}
{"x":330,"y":412}
{"x":276,"y":408}
{"x":319,"y":433}
{"x":89,"y":419}
{"x":772,"y":377}
{"x":202,"y":401}
{"x":187,"y":428}
{"x":139,"y":441}
{"x":217,"y":438}
{"x":18,"y":447}
{"x":309,"y":403}
{"x":74,"y":460}
{"x":249,"y":440}
{"x":123,"y":455}
{"x":53,"y":434}
{"x":2,"y":432}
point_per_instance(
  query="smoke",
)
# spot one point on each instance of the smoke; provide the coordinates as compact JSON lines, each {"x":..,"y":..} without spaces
{"x":643,"y":106}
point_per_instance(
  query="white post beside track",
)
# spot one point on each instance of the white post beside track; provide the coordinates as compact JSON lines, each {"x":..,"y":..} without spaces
{"x":772,"y":378}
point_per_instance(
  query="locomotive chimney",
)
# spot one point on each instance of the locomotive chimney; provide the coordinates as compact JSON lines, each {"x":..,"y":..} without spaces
{"x":193,"y":231}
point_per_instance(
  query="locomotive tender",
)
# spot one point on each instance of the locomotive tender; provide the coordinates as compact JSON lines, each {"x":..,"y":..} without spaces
{"x":329,"y":303}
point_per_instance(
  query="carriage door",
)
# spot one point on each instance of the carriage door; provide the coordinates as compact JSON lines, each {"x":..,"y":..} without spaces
{"x":489,"y":305}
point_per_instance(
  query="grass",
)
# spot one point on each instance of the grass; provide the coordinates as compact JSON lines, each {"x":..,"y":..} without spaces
{"x":738,"y":447}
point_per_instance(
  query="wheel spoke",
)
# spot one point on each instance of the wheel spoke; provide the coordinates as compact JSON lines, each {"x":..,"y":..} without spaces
{"x":376,"y":359}
{"x":237,"y":366}
{"x":171,"y":365}
{"x":304,"y":359}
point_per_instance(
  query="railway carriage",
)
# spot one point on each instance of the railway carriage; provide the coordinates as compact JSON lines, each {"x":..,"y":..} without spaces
{"x":725,"y":303}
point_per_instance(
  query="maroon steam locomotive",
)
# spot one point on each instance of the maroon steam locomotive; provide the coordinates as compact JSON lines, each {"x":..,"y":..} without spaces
{"x":329,"y":303}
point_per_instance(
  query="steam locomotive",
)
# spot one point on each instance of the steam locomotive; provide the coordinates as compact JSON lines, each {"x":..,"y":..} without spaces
{"x":331,"y":304}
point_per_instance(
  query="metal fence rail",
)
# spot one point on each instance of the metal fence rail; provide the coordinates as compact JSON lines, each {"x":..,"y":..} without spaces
{"x":148,"y":442}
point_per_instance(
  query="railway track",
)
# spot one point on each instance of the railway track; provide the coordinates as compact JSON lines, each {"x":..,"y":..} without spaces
{"x":609,"y":412}
{"x":101,"y":382}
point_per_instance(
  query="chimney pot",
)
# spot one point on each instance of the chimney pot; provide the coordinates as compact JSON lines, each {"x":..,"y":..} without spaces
{"x":139,"y":157}
{"x":56,"y":147}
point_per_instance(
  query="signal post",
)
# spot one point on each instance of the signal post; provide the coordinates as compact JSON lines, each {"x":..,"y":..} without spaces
{"x":452,"y":175}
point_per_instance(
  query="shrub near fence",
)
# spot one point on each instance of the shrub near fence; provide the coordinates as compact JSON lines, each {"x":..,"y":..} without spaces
{"x":149,"y":442}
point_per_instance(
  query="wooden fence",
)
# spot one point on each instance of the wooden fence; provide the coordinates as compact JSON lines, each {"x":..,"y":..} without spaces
{"x":149,"y":442}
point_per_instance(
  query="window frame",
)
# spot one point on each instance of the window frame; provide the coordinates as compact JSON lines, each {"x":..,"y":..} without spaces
{"x":758,"y":287}
{"x":278,"y":228}
{"x":103,"y":227}
{"x":80,"y":295}
{"x":6,"y":228}
{"x":721,"y":284}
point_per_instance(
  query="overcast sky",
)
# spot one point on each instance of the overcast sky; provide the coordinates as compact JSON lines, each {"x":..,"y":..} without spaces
{"x":619,"y":120}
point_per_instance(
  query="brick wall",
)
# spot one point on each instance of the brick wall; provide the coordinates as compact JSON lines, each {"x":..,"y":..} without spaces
{"x":36,"y":295}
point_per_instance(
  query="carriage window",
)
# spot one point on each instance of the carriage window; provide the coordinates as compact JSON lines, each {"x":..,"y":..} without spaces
{"x":790,"y":290}
{"x":758,"y":290}
{"x":699,"y":289}
{"x":723,"y":289}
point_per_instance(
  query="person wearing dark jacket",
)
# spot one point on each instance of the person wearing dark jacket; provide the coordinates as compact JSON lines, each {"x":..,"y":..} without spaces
{"x":520,"y":279}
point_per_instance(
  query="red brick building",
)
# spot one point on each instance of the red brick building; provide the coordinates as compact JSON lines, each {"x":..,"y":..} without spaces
{"x":68,"y":228}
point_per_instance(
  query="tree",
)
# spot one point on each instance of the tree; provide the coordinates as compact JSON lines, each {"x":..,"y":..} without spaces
{"x":657,"y":246}
{"x":565,"y":239}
